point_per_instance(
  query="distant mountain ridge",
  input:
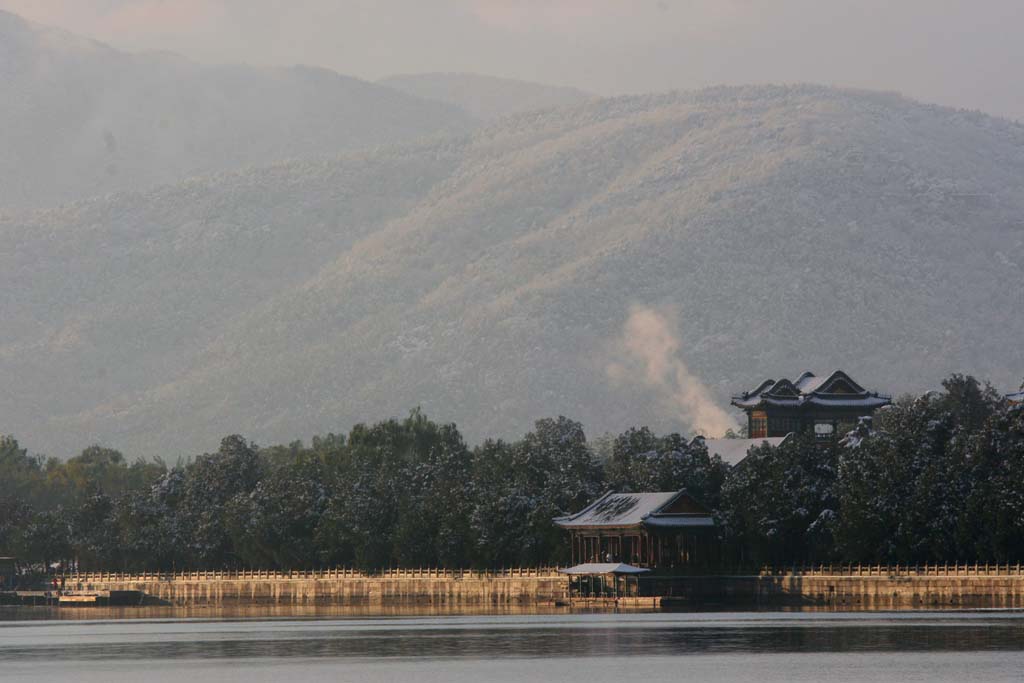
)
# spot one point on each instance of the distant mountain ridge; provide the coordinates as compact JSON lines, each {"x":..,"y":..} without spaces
{"x":488,"y":277}
{"x":79,"y":118}
{"x":486,"y":97}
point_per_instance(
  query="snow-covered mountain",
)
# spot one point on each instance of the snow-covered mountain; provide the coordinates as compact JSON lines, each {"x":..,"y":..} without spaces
{"x":486,"y":97}
{"x":79,"y":118}
{"x":488,"y":277}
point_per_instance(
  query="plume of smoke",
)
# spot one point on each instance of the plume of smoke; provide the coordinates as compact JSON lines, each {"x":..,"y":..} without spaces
{"x":651,"y":348}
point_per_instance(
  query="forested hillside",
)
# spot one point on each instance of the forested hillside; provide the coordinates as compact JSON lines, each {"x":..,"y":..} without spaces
{"x":490,"y":278}
{"x":78,"y":118}
{"x":937,"y":478}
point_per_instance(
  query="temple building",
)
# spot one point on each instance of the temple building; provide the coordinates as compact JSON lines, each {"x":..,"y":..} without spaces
{"x":666,"y":529}
{"x":1016,"y":399}
{"x":823,"y":406}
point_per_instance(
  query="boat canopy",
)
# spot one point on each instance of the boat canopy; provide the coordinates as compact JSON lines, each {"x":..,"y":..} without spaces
{"x":596,"y":568}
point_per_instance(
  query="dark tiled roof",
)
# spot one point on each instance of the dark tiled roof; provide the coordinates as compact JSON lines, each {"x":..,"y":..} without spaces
{"x":633,"y":510}
{"x":838,"y":390}
{"x":619,"y":509}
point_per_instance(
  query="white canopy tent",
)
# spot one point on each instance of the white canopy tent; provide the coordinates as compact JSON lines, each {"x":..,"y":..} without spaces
{"x":594,"y":568}
{"x":595,"y":578}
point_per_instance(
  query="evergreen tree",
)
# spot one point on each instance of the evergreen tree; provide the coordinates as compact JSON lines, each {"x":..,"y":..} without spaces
{"x":275,"y":524}
{"x":778,"y":505}
{"x":641,"y":461}
{"x":210,"y":485}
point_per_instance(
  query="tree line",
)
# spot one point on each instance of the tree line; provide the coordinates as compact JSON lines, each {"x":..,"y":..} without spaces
{"x":933,"y":478}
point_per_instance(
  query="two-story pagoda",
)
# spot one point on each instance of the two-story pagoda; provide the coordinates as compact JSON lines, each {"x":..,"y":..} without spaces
{"x":823,"y":406}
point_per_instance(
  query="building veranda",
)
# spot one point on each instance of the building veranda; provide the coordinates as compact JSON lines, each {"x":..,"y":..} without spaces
{"x":664,"y":529}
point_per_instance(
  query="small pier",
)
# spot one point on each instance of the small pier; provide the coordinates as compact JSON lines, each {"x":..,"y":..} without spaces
{"x":74,"y":598}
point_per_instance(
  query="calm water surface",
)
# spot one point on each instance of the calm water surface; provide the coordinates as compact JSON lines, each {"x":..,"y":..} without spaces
{"x":756,"y":646}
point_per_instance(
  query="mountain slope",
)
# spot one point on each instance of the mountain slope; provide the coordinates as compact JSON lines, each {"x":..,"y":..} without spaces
{"x":488,"y":279}
{"x":79,"y":118}
{"x":486,"y":97}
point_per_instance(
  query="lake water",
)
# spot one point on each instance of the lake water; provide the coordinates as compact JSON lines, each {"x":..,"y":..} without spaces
{"x":52,"y":645}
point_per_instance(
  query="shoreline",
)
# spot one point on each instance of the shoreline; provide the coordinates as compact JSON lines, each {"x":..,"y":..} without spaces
{"x":12,"y":614}
{"x":869,"y":587}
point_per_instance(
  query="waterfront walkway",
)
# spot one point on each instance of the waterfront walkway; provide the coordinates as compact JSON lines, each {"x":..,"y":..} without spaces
{"x":849,"y":585}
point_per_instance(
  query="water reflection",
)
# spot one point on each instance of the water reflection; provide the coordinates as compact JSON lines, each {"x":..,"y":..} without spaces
{"x":483,"y":637}
{"x":234,"y":612}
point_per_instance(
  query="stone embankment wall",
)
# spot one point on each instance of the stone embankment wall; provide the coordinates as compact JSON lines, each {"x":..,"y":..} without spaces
{"x":899,"y":586}
{"x":337,"y":587}
{"x":876,"y":586}
{"x":846,"y":586}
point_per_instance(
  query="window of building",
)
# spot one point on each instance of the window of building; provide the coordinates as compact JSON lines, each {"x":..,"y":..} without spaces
{"x":780,"y":426}
{"x":758,"y":425}
{"x":824,"y":430}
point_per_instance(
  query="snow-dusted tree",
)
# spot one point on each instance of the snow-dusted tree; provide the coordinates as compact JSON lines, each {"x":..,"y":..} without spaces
{"x":991,"y":525}
{"x":149,"y":525}
{"x":399,"y":495}
{"x":522,"y":486}
{"x":92,"y":542}
{"x":641,"y":461}
{"x":907,"y":491}
{"x":210,"y":484}
{"x":778,"y":505}
{"x":275,"y":524}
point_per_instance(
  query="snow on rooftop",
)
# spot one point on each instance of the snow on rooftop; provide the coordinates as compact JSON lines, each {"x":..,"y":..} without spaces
{"x":619,"y":509}
{"x":808,"y":383}
{"x":837,"y":390}
{"x":732,"y":451}
{"x":603,"y":568}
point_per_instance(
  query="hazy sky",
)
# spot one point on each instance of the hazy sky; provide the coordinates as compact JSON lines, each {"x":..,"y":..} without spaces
{"x":962,"y":53}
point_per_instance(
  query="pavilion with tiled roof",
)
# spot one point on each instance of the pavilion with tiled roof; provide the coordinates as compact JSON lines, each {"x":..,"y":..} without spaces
{"x":663,"y":529}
